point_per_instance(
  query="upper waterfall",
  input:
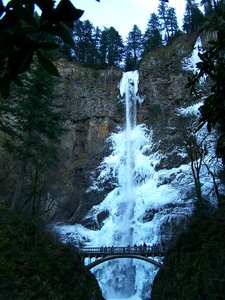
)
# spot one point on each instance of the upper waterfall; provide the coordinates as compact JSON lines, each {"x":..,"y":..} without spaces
{"x":140,"y":207}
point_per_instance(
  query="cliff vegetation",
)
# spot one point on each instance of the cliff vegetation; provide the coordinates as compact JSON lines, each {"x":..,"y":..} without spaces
{"x":34,"y":266}
{"x":195,"y":264}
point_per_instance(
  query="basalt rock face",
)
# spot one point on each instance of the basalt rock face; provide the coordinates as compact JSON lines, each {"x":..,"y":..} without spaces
{"x":91,"y":110}
{"x":163,"y":86}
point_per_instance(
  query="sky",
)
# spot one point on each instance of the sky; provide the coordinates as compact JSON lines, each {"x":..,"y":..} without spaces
{"x":124,"y":14}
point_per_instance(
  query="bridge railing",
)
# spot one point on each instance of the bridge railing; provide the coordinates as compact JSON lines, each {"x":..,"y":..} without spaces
{"x":101,"y":251}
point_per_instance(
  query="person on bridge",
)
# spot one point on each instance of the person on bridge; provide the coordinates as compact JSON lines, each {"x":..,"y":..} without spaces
{"x":144,"y":247}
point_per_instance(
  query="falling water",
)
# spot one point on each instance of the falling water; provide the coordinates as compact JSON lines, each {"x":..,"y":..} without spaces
{"x":141,"y":207}
{"x":128,"y":91}
{"x":131,"y":169}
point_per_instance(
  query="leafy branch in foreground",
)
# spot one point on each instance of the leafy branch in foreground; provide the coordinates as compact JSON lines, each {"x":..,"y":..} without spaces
{"x":21,"y":33}
{"x":212,"y":66}
{"x":30,"y":126}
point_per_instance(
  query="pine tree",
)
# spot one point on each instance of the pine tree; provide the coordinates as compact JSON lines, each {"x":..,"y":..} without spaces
{"x":162,"y":13}
{"x":168,"y":18}
{"x":152,"y":37}
{"x":111,"y":47}
{"x":97,"y":41}
{"x":85,"y":49}
{"x":134,"y":47}
{"x":208,"y":6}
{"x":32,"y":136}
{"x":172,"y":24}
{"x":193,"y":17}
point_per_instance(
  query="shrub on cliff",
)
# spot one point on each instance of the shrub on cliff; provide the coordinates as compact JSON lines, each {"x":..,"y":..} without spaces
{"x":194,"y":268}
{"x":34,"y":266}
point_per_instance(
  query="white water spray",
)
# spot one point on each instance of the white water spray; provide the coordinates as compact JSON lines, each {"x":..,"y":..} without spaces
{"x":139,"y":209}
{"x":131,"y":167}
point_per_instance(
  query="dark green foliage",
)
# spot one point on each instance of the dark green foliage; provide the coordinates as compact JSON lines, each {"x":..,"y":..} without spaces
{"x":152,"y":37}
{"x":95,"y":48}
{"x":85,"y":47}
{"x":209,"y":6}
{"x":34,"y":266}
{"x":134,"y":48}
{"x":31,"y":128}
{"x":111,"y":47}
{"x":194,"y":266}
{"x":193,"y":17}
{"x":162,"y":14}
{"x":21,"y":35}
{"x":168,"y":18}
{"x":172,"y":24}
{"x":212,"y":65}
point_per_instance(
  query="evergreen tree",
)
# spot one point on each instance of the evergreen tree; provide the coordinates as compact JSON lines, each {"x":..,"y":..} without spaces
{"x":208,"y":6}
{"x":32,"y":136}
{"x":97,"y":41}
{"x":193,"y":17}
{"x":168,"y":18}
{"x":111,"y":47}
{"x":162,"y":13}
{"x":134,"y":47}
{"x":172,"y":24}
{"x":152,"y":37}
{"x":211,"y":5}
{"x":103,"y":47}
{"x":85,"y":49}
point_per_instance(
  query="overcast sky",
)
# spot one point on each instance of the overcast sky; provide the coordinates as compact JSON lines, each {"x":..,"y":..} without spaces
{"x":123,"y":14}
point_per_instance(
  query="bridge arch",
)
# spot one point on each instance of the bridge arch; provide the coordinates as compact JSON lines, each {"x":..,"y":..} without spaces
{"x":110,"y":257}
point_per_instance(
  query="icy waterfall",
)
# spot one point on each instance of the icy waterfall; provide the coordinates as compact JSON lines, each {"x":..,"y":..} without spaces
{"x":145,"y":203}
{"x":139,"y":190}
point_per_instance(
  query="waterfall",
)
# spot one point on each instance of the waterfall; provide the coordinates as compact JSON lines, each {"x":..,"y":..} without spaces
{"x":144,"y":205}
{"x":130,"y":168}
{"x":128,"y":91}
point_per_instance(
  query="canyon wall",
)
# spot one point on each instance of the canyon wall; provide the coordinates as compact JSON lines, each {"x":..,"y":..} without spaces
{"x":91,"y":110}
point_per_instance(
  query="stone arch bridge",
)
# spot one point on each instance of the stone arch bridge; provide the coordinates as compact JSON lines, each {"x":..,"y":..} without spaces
{"x":102,"y":254}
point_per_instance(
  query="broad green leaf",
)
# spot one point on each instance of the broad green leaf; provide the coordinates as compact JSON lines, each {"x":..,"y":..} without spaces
{"x":26,"y":61}
{"x":17,"y":81}
{"x":1,"y":8}
{"x":25,"y":15}
{"x":48,"y":46}
{"x":4,"y":87}
{"x":47,"y":64}
{"x":66,"y":11}
{"x":65,"y":34}
{"x":61,"y":31}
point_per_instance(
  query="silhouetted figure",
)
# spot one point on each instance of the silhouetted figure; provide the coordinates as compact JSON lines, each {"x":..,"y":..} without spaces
{"x":144,"y":247}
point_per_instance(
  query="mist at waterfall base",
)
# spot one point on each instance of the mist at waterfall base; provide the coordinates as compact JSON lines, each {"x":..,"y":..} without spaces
{"x":139,"y":189}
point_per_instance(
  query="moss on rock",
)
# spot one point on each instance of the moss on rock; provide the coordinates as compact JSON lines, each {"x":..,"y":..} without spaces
{"x":194,"y":269}
{"x":34,"y":266}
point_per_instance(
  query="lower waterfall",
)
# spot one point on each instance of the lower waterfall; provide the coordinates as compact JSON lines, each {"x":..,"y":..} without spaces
{"x":140,"y":208}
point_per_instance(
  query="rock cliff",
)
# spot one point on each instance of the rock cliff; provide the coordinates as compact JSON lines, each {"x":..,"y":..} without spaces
{"x":91,"y":111}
